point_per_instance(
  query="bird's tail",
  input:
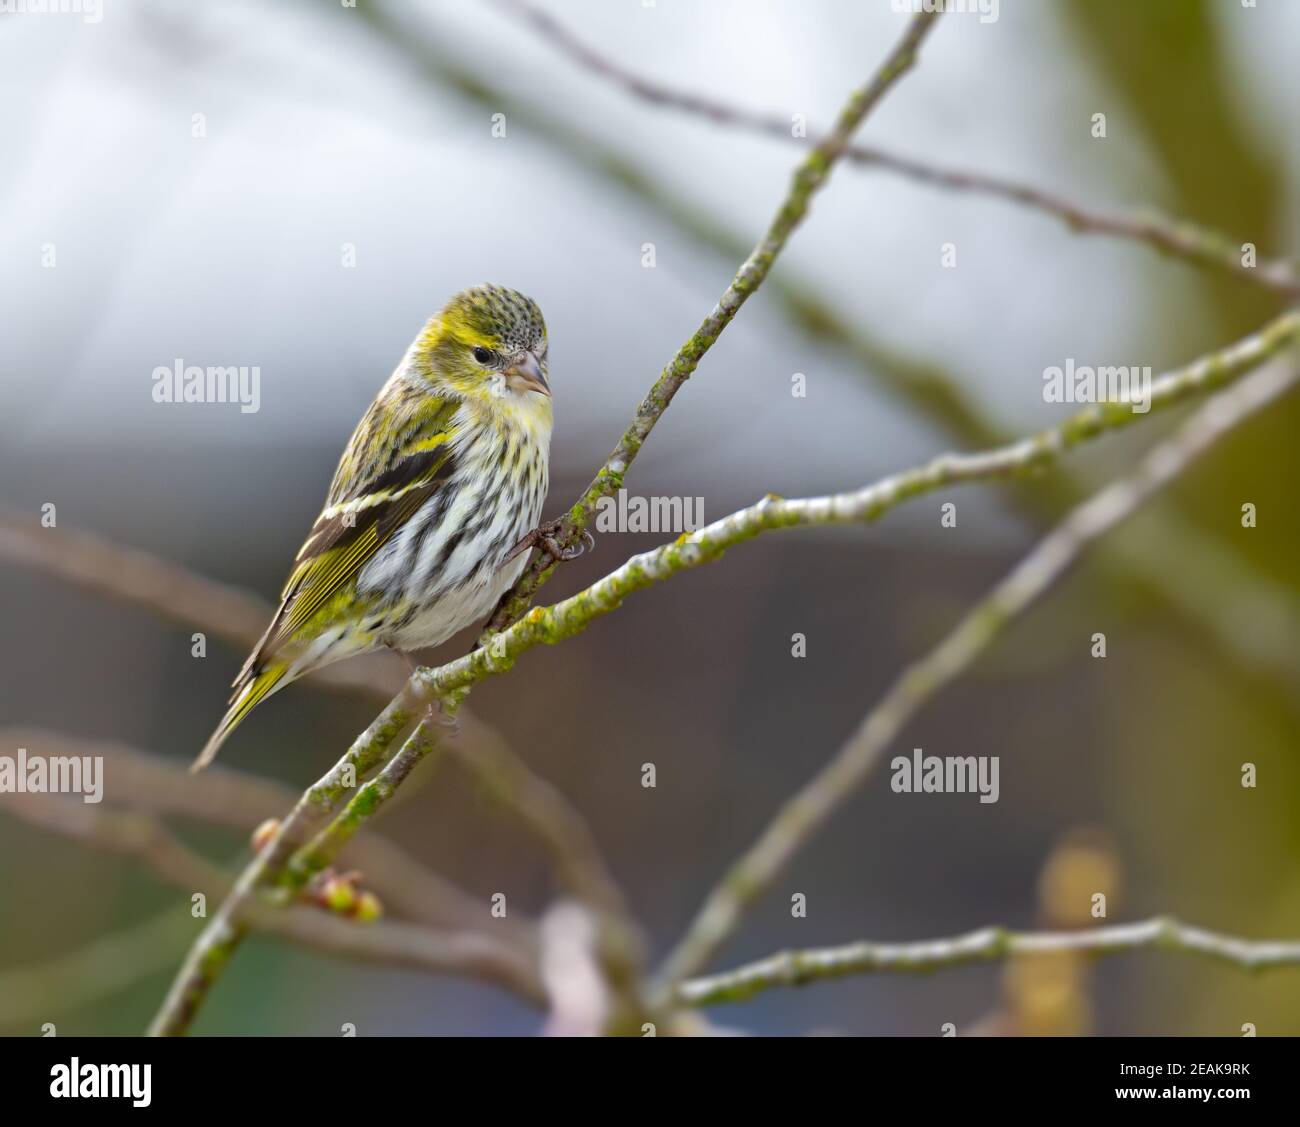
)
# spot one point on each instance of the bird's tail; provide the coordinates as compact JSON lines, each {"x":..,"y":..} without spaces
{"x":252,"y":687}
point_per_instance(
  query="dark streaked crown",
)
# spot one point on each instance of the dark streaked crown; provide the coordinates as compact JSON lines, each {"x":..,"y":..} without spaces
{"x":501,"y":313}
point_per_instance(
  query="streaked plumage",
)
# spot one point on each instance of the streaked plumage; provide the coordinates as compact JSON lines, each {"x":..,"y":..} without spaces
{"x":444,"y":475}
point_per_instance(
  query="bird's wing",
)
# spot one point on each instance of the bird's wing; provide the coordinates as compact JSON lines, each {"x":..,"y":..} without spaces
{"x":373,"y":495}
{"x":367,"y":504}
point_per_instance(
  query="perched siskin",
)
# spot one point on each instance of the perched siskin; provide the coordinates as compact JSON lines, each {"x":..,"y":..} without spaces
{"x":443,"y":478}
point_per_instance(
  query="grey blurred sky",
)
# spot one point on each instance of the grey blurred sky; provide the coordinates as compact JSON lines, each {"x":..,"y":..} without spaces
{"x":226,"y":250}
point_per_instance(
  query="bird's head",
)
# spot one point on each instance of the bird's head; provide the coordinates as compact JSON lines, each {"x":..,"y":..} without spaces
{"x":488,"y":343}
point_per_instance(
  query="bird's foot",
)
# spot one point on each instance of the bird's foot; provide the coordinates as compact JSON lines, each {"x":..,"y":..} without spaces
{"x":543,"y":537}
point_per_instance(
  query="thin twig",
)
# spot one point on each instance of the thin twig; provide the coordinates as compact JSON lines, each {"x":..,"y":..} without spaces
{"x":284,"y":867}
{"x":810,"y":176}
{"x":798,"y":968}
{"x":476,"y":953}
{"x":473,"y":954}
{"x":1182,"y":240}
{"x":224,"y":932}
{"x":803,"y":814}
{"x":543,"y":809}
{"x":136,"y":835}
{"x":149,"y":783}
{"x":548,"y":815}
{"x":171,"y":591}
{"x":325,"y":847}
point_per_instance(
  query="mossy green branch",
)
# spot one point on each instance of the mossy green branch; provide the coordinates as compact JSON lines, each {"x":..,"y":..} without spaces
{"x":799,"y":968}
{"x":549,"y":625}
{"x":227,"y":928}
{"x":365,"y":803}
{"x":809,"y":177}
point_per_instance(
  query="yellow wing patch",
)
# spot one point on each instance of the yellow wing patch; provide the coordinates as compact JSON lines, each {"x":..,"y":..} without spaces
{"x":362,"y":515}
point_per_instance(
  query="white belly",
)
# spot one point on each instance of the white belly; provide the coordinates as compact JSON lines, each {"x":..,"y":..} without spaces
{"x":458,"y":608}
{"x":446,"y":569}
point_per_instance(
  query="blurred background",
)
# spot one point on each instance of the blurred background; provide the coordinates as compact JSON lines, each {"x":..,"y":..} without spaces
{"x":133,"y":232}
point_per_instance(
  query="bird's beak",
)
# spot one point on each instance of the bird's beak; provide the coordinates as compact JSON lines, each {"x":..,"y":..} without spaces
{"x":526,"y":375}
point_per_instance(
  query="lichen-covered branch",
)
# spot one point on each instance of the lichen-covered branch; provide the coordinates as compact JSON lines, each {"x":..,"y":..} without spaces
{"x":1179,"y":239}
{"x":224,"y":932}
{"x":803,"y":814}
{"x":548,"y":625}
{"x":989,"y":944}
{"x":325,"y":847}
{"x":810,"y":176}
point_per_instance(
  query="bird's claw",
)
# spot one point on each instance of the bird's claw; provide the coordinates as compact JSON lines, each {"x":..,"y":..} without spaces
{"x":586,"y":543}
{"x":543,"y":537}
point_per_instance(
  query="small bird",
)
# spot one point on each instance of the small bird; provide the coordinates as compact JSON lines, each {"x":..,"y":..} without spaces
{"x":435,"y":497}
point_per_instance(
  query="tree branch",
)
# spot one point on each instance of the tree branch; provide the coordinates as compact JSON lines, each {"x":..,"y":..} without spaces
{"x":474,"y":954}
{"x":224,"y":932}
{"x":149,"y":783}
{"x":802,"y":815}
{"x":499,"y":959}
{"x":547,"y":814}
{"x":136,"y":835}
{"x":549,"y":625}
{"x":798,"y":968}
{"x":810,"y":176}
{"x":171,"y":591}
{"x":370,"y":797}
{"x":1179,"y":239}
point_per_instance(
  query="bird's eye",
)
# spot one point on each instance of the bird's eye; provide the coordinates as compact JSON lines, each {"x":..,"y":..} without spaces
{"x":483,"y":355}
